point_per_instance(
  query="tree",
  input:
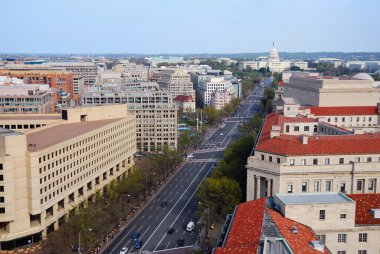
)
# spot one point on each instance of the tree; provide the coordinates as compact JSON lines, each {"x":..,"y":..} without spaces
{"x":252,"y":127}
{"x":220,"y":195}
{"x":212,"y":114}
{"x":185,"y":139}
{"x":295,"y":68}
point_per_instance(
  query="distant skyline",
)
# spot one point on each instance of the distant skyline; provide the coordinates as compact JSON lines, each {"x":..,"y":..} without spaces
{"x":186,"y":27}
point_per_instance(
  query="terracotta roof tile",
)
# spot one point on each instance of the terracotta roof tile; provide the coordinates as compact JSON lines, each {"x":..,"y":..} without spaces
{"x":184,"y":98}
{"x":299,"y":243}
{"x":318,"y":145}
{"x":364,"y":204}
{"x":247,"y":224}
{"x":343,"y":111}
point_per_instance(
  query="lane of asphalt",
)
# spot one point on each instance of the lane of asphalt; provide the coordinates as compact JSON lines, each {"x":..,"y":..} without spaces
{"x":145,"y":218}
{"x":153,"y":241}
{"x":186,"y":214}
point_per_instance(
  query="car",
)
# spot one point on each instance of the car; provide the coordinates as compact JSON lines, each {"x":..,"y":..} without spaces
{"x":221,"y":134}
{"x":180,"y":242}
{"x":124,"y":250}
{"x":138,"y":244}
{"x":135,"y":236}
{"x":163,"y":204}
{"x":190,"y":226}
{"x":170,"y":231}
{"x":190,"y":156}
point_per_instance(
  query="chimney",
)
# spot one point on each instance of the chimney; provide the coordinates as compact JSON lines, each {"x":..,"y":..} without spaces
{"x":304,"y":139}
{"x":275,"y":132}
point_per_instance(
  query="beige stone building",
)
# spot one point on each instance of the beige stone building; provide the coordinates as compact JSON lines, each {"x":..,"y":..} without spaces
{"x":332,"y":91}
{"x":176,"y":81}
{"x":309,"y":223}
{"x":47,"y":170}
{"x":155,"y":111}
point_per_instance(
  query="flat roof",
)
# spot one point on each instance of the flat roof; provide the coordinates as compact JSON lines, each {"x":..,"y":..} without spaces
{"x":30,"y":117}
{"x":314,"y":198}
{"x":42,"y":139}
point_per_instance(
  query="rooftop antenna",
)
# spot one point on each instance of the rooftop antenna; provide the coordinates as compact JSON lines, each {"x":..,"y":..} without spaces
{"x":273,"y":45}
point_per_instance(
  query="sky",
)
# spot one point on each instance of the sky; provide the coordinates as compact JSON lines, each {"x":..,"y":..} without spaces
{"x":188,"y":26}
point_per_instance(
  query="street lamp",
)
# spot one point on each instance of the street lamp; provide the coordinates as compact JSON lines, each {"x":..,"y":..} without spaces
{"x":124,"y":195}
{"x":30,"y":246}
{"x":80,"y":231}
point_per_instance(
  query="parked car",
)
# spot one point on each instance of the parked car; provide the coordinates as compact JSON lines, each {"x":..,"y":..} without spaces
{"x":180,"y":242}
{"x":190,"y":156}
{"x":135,"y":236}
{"x":170,"y":231}
{"x":138,"y":244}
{"x":163,"y":204}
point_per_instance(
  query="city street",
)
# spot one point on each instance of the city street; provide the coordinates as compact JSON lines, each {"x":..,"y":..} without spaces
{"x":154,"y":221}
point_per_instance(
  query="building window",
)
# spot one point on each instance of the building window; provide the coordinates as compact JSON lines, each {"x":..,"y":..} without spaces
{"x":270,"y":158}
{"x":341,"y":160}
{"x":278,"y":160}
{"x":262,"y":157}
{"x":369,"y":159}
{"x":292,"y":162}
{"x":2,"y":210}
{"x":322,"y":238}
{"x":296,"y":128}
{"x":306,"y":128}
{"x":327,"y":161}
{"x":371,"y":184}
{"x":303,"y":162}
{"x":343,"y":119}
{"x":315,"y":161}
{"x":357,"y":159}
{"x":342,"y":238}
{"x":322,"y":214}
{"x":329,"y":185}
{"x":342,"y":187}
{"x":290,"y":188}
{"x":362,"y":237}
{"x":341,"y":252}
{"x":316,"y":186}
{"x":362,"y":252}
{"x":304,"y":186}
{"x":359,"y":185}
{"x":343,"y":214}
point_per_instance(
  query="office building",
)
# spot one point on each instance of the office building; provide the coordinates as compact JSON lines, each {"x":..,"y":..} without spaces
{"x":211,"y":84}
{"x":88,"y":70}
{"x":219,"y":99}
{"x":47,"y":171}
{"x":155,"y":111}
{"x":176,"y":81}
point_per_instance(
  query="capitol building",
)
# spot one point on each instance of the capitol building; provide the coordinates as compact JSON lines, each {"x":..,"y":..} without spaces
{"x":273,"y":62}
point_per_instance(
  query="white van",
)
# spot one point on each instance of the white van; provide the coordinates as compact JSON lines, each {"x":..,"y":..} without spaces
{"x":190,"y":226}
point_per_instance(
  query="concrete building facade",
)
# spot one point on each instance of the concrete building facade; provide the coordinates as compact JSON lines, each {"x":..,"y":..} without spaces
{"x":50,"y":170}
{"x":176,"y":81}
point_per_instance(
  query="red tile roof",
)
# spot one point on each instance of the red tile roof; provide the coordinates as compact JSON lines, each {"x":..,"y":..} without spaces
{"x":275,"y":119}
{"x":299,"y":243}
{"x":364,"y":204}
{"x":247,"y":224}
{"x":246,"y":230}
{"x":343,"y":111}
{"x":318,"y":145}
{"x":184,"y":98}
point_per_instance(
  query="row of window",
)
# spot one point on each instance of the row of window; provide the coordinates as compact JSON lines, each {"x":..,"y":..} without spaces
{"x":359,"y":252}
{"x":329,"y":186}
{"x":350,"y":119}
{"x":362,"y":238}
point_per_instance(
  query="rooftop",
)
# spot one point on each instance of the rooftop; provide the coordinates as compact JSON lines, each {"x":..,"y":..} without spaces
{"x":44,"y":138}
{"x":313,"y":198}
{"x":364,"y":204}
{"x":368,"y":143}
{"x":7,"y":132}
{"x":30,"y":117}
{"x":343,"y":111}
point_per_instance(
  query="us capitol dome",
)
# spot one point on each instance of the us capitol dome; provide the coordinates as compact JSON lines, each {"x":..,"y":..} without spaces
{"x":273,"y":54}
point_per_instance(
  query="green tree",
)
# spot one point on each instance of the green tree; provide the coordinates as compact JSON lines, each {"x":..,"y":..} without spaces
{"x":185,"y":139}
{"x":212,"y":114}
{"x":252,"y":127}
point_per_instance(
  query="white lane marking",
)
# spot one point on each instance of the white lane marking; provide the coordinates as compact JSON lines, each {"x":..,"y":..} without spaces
{"x":122,"y":240}
{"x":177,"y":202}
{"x":167,"y":245}
{"x":192,"y":195}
